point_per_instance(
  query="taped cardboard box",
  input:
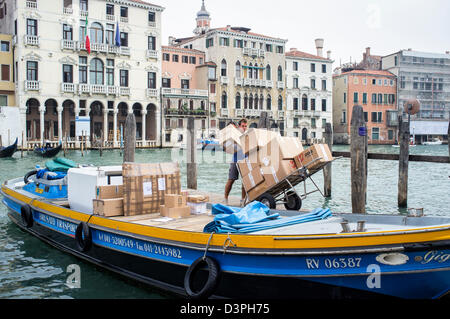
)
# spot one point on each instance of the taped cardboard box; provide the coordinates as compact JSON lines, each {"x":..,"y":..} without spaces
{"x":173,"y":200}
{"x":314,"y":157}
{"x":108,"y":207}
{"x":254,"y":139}
{"x":229,"y":138}
{"x":290,"y":147}
{"x":252,"y":179}
{"x":198,"y":199}
{"x":248,"y":164}
{"x":109,"y":192}
{"x":145,"y":186}
{"x":175,"y":212}
{"x":271,"y":157}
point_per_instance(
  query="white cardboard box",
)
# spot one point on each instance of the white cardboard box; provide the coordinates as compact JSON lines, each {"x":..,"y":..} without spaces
{"x":198,"y":208}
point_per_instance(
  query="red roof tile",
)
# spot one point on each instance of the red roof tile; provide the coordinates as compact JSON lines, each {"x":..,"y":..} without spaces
{"x":304,"y":55}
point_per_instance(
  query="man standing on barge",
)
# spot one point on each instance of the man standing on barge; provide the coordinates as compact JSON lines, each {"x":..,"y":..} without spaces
{"x":233,"y":173}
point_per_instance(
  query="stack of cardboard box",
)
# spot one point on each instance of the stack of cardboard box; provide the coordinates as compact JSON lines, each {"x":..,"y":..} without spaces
{"x":198,"y":204}
{"x":269,"y":159}
{"x":109,"y":201}
{"x":175,"y":206}
{"x":145,"y":186}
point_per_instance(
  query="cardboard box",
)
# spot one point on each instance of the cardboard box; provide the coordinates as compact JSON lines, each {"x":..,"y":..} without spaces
{"x":108,"y":207}
{"x":175,"y":212}
{"x":109,"y":192}
{"x":198,"y":208}
{"x":248,"y":164}
{"x":229,"y":138}
{"x":253,"y":179}
{"x":314,"y":157}
{"x":254,"y":139}
{"x":173,"y":200}
{"x":290,"y":147}
{"x":145,"y":186}
{"x":270,"y":158}
{"x":198,"y":199}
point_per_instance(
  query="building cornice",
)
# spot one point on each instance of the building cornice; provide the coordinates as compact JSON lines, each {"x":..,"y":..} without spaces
{"x":138,"y":4}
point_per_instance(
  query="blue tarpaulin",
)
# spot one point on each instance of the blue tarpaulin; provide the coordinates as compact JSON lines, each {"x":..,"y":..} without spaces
{"x":255,"y":217}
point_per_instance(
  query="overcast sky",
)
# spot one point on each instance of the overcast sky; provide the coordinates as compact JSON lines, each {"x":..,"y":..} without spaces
{"x":347,"y":26}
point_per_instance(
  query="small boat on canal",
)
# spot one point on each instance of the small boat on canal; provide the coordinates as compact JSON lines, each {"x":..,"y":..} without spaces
{"x":8,"y":151}
{"x":283,"y":254}
{"x":48,"y":151}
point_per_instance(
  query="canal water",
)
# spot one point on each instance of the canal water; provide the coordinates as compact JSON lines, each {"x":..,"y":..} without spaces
{"x":32,"y":269}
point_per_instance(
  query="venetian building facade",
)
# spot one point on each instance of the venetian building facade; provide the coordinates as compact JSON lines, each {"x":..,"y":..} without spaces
{"x":309,"y":93}
{"x":184,"y":94}
{"x":249,"y":75}
{"x":57,"y":80}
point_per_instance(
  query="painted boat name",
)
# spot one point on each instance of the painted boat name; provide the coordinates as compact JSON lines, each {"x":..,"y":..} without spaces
{"x":55,"y":222}
{"x":434,"y":255}
{"x":141,"y":246}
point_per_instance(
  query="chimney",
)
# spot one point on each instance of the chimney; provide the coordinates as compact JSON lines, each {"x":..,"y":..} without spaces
{"x":171,"y":40}
{"x":329,"y":55}
{"x":228,"y":27}
{"x":368,"y":51}
{"x":319,"y":46}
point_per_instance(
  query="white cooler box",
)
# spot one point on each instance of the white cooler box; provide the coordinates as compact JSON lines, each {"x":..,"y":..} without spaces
{"x":198,"y":208}
{"x":83,"y":183}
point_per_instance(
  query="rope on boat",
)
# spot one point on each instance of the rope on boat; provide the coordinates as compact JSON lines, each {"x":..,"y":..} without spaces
{"x":227,"y":243}
{"x":207,"y":246}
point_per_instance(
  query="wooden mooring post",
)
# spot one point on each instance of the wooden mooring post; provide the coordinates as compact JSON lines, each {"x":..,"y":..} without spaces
{"x":129,"y":138}
{"x":327,"y":170}
{"x":358,"y":150}
{"x":191,"y":154}
{"x":403,"y":162}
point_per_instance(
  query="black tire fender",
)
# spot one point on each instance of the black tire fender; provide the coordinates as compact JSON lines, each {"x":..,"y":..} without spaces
{"x":28,"y":175}
{"x":27,"y":216}
{"x":83,"y":237}
{"x":210,"y":285}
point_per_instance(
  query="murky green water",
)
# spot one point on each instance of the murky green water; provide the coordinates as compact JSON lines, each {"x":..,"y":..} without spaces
{"x":32,"y":269}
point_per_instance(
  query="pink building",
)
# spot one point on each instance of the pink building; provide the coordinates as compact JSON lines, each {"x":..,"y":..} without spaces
{"x":184,"y":92}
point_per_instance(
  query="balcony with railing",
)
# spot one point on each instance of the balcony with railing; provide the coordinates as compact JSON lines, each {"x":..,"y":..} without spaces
{"x":223,"y":80}
{"x":254,"y":52}
{"x":84,"y":13}
{"x":185,"y":112}
{"x":31,"y":40}
{"x":152,"y":93}
{"x":67,"y":10}
{"x":32,"y":86}
{"x":69,"y":45}
{"x":224,"y":112}
{"x":31,"y":4}
{"x":280,"y":85}
{"x":184,"y":93}
{"x":124,"y":91}
{"x":68,"y":88}
{"x":238,"y":81}
{"x":152,"y":54}
{"x":110,"y":17}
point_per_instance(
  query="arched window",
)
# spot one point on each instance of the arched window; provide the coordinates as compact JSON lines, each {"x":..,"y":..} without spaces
{"x":224,"y":100}
{"x":245,"y":101}
{"x":223,"y":69}
{"x":238,"y":100}
{"x":256,"y":101}
{"x":280,"y":74}
{"x":96,"y":71}
{"x":269,"y":102}
{"x":261,"y":102}
{"x":238,"y":70}
{"x":250,"y":101}
{"x":255,"y":71}
{"x":250,"y":71}
{"x":96,"y":33}
{"x":268,"y":73}
{"x":304,"y":102}
{"x":280,"y":103}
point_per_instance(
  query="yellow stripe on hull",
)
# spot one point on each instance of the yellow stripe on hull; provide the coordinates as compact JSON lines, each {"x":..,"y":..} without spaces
{"x":348,"y":240}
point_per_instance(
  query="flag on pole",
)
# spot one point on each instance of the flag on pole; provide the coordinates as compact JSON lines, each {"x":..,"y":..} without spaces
{"x":88,"y":41}
{"x":118,"y":35}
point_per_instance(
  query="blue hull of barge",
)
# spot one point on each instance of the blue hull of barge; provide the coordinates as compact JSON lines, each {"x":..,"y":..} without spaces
{"x":426,"y":274}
